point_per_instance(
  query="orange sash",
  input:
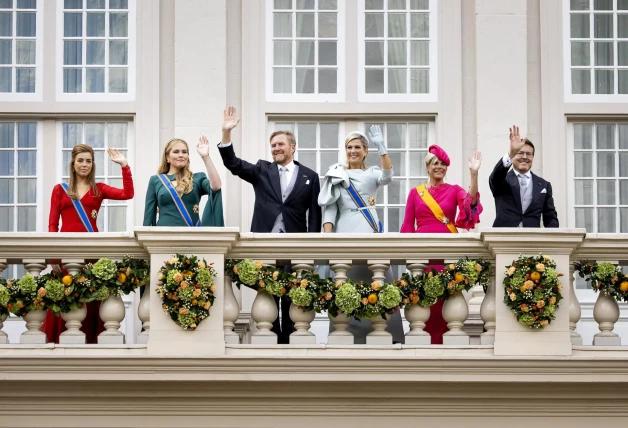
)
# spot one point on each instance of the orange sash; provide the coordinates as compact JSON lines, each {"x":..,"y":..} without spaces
{"x":435,"y":208}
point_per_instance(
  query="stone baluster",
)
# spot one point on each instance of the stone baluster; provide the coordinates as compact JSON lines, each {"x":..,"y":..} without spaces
{"x":302,"y":319}
{"x":4,"y":338}
{"x":264,"y":312}
{"x":73,"y":319}
{"x":417,"y":315}
{"x":606,"y":314}
{"x":34,"y":319}
{"x":340,"y":324}
{"x":112,"y":312}
{"x":231,"y":312}
{"x":143,"y":313}
{"x":574,"y":308}
{"x":379,"y":335}
{"x":488,"y":310}
{"x":455,"y":312}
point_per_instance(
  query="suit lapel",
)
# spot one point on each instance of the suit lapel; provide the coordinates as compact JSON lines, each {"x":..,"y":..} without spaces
{"x":514,"y":185}
{"x":536,"y":189}
{"x":273,"y":173}
{"x":299,"y":184}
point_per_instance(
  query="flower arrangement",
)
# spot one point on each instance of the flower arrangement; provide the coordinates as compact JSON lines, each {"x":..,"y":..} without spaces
{"x":372,"y":299}
{"x":24,"y":295}
{"x":132,"y":273}
{"x":187,"y":289}
{"x":463,"y":275}
{"x":257,"y":276}
{"x":423,"y":290}
{"x":310,"y":291}
{"x":604,"y":277}
{"x":5,"y":296}
{"x":532,"y":290}
{"x":62,"y":293}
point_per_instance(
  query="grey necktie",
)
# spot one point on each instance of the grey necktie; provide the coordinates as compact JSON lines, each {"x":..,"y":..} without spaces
{"x":283,"y":181}
{"x":523,"y":189}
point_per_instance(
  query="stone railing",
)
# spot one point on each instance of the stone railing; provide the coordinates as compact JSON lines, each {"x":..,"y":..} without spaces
{"x":494,"y":324}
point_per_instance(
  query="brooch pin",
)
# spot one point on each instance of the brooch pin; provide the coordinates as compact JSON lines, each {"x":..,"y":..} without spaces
{"x":94,"y":213}
{"x":421,"y":193}
{"x":195,"y":209}
{"x":445,"y":220}
{"x":371,"y":200}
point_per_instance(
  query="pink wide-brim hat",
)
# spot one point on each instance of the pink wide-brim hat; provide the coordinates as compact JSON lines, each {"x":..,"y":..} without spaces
{"x":439,"y":153}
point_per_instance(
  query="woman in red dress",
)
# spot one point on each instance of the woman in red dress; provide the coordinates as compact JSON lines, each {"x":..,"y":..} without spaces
{"x":83,"y":187}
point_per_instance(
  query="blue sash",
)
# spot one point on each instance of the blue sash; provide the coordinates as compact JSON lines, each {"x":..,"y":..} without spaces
{"x":364,"y":209}
{"x":80,"y":209}
{"x":177,"y":201}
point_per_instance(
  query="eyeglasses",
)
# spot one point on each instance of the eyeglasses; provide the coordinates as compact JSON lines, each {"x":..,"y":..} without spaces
{"x":525,"y":154}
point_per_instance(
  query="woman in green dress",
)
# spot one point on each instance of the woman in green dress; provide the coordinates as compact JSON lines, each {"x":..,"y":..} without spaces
{"x":174,"y":194}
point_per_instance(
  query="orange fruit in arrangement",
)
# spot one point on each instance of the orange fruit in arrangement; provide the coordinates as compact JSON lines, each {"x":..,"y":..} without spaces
{"x":66,"y":280}
{"x":122,"y":278}
{"x":458,"y":277}
{"x":623,"y":286}
{"x":535,"y":276}
{"x":372,"y":299}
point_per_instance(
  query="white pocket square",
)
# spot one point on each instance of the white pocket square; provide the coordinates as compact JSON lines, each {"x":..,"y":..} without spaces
{"x":307,"y":182}
{"x":544,"y":191}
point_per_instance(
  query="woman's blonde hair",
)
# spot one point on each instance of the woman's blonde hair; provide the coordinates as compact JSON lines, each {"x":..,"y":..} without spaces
{"x":91,"y":178}
{"x":185,"y":180}
{"x":430,"y":159}
{"x":355,"y":135}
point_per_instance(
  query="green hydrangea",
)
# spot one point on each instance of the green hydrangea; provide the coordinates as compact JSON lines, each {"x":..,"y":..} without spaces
{"x":469,"y":270}
{"x":204,"y":277}
{"x":170,"y":278}
{"x":551,"y":276}
{"x":517,"y":280}
{"x":105,"y":269}
{"x":247,"y":272}
{"x":300,"y":296}
{"x":434,"y":287}
{"x":186,"y":294}
{"x":102,"y":293}
{"x":538,"y":295}
{"x":4,"y":296}
{"x":370,"y":311}
{"x":389,"y":296}
{"x":347,"y":298}
{"x":549,"y":309}
{"x":273,"y":287}
{"x":186,"y":320}
{"x":526,"y":319}
{"x":605,"y":271}
{"x":55,"y":290}
{"x":27,"y":284}
{"x":426,"y":302}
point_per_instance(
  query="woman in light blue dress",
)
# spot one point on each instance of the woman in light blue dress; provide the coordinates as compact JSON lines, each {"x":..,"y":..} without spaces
{"x":343,"y":185}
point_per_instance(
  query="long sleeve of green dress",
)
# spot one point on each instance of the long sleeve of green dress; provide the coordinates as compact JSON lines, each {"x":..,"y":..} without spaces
{"x":212,"y":213}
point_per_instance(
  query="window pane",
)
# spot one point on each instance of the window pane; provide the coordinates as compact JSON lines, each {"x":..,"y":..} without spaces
{"x":604,"y":82}
{"x":397,"y":192}
{"x":95,"y":25}
{"x":417,"y":164}
{"x":396,"y":135}
{"x":579,"y":5}
{"x":117,"y":135}
{"x":622,"y":52}
{"x":624,"y":220}
{"x":6,"y":24}
{"x":329,"y":135}
{"x":26,"y":219}
{"x":6,"y":216}
{"x":27,"y":191}
{"x":604,"y":53}
{"x":25,"y":80}
{"x":583,"y":136}
{"x":622,"y":26}
{"x":305,"y":4}
{"x":605,"y":136}
{"x":25,"y":22}
{"x":584,"y":218}
{"x":72,"y":52}
{"x":72,"y":80}
{"x":623,"y":164}
{"x":73,"y":4}
{"x":282,"y":53}
{"x":395,"y":219}
{"x":25,"y":53}
{"x":327,"y":24}
{"x":26,"y":135}
{"x":584,"y":192}
{"x":282,"y":80}
{"x":118,"y":52}
{"x":305,"y":53}
{"x":6,"y":163}
{"x":67,"y":158}
{"x":420,"y":53}
{"x":374,"y":25}
{"x":307,"y":135}
{"x":95,"y":135}
{"x":73,"y":24}
{"x":398,"y":162}
{"x":623,"y":192}
{"x":397,"y":53}
{"x":419,"y":4}
{"x":605,"y":164}
{"x":305,"y":80}
{"x":622,"y":4}
{"x":580,"y":53}
{"x":374,"y":81}
{"x":397,"y":81}
{"x":603,"y":26}
{"x":420,"y":81}
{"x":327,"y":160}
{"x":72,"y":134}
{"x":374,"y":4}
{"x":26,"y":4}
{"x":118,"y":25}
{"x":374,"y":53}
{"x":327,"y":53}
{"x":603,"y":4}
{"x":396,"y":4}
{"x":118,"y":80}
{"x":96,"y":4}
{"x":118,"y":4}
{"x":307,"y":158}
{"x":417,"y":135}
{"x":579,"y":26}
{"x":116,"y":219}
{"x":397,"y":25}
{"x":419,"y":25}
{"x":95,"y":79}
{"x":623,"y":136}
{"x":5,"y":80}
{"x":95,"y":52}
{"x":328,"y":4}
{"x":113,"y":169}
{"x":327,"y":81}
{"x":580,"y":81}
{"x":606,"y":220}
{"x":282,"y":24}
{"x":305,"y":24}
{"x":99,"y":162}
{"x":606,"y":192}
{"x":6,"y":4}
{"x":583,"y":164}
{"x":622,"y":84}
{"x":26,"y":163}
{"x":7,"y":135}
{"x":6,"y":52}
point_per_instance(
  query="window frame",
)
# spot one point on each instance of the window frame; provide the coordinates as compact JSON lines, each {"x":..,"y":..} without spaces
{"x":132,"y":60}
{"x":130,"y":156}
{"x":432,"y":95}
{"x":593,"y":97}
{"x":39,"y":56}
{"x":339,"y":96}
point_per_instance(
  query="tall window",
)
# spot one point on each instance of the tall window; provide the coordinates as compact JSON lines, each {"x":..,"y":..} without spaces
{"x":113,"y":216}
{"x":18,"y":46}
{"x":18,"y":180}
{"x":305,"y":50}
{"x":598,"y":47}
{"x":97,"y":46}
{"x":600,"y":171}
{"x":397,"y":50}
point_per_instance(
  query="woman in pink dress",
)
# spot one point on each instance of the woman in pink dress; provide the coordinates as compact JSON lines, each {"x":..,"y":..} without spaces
{"x":431,"y":208}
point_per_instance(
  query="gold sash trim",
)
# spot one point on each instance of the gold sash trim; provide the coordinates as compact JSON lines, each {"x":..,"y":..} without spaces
{"x":435,"y":208}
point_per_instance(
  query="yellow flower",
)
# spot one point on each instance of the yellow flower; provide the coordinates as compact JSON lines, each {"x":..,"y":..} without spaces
{"x":430,"y":275}
{"x":544,"y":322}
{"x":183,"y":311}
{"x":174,"y":260}
{"x":364,"y":301}
{"x":523,"y":288}
{"x":207,"y":305}
{"x":524,"y":307}
{"x":196,"y":292}
{"x":478,"y":267}
{"x":235,"y":270}
{"x":451,"y":284}
{"x":328,"y":295}
{"x":261,"y":283}
{"x":513,"y":297}
{"x":177,"y":277}
{"x":41,"y":292}
{"x":184,"y":285}
{"x":9,"y":284}
{"x":258,"y":265}
{"x":540,"y":304}
{"x":552,"y":300}
{"x":202,"y":265}
{"x":213,"y":288}
{"x":193,"y":325}
{"x":275,"y":275}
{"x":339,"y":282}
{"x":375,"y":286}
{"x":404,"y":283}
{"x":452,"y":266}
{"x":547,"y":258}
{"x":511,"y":271}
{"x":540,"y":267}
{"x":67,"y":291}
{"x":160,"y":277}
{"x":560,"y":287}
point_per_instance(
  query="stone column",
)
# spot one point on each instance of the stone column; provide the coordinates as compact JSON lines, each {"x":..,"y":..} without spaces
{"x":340,"y":324}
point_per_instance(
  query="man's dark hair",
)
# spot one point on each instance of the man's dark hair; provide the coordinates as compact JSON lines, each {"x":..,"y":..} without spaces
{"x":529,"y":143}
